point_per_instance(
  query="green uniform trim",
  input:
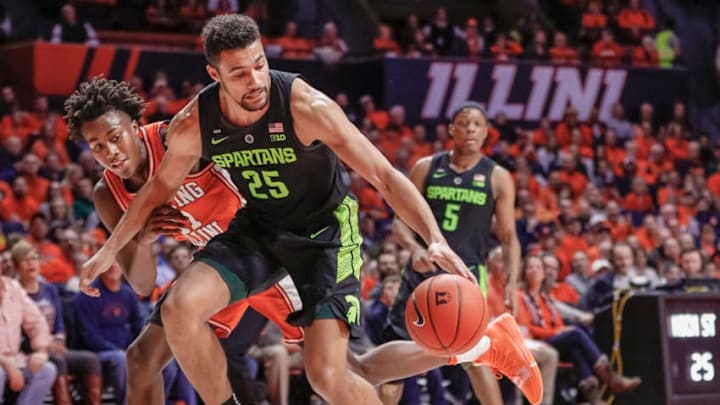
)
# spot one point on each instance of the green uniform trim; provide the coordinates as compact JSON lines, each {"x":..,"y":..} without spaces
{"x":238,"y":289}
{"x":349,"y":258}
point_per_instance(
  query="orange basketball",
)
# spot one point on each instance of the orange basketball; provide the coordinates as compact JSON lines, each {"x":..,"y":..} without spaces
{"x":446,"y":315}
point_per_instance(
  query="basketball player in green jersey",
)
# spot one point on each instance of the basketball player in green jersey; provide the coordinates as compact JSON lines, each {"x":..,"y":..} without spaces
{"x":464,"y":190}
{"x":281,"y":141}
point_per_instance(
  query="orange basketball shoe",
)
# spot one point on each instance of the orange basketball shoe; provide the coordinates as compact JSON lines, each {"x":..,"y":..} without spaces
{"x":509,"y":355}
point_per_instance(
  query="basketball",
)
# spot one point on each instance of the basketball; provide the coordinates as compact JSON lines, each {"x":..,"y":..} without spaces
{"x":446,"y":315}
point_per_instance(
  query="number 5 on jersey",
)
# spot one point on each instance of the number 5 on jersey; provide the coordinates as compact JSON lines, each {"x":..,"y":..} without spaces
{"x":450,"y":222}
{"x":265,"y":180}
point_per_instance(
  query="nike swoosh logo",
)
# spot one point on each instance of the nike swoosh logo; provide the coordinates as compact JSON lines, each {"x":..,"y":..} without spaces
{"x":419,"y":320}
{"x":316,"y":234}
{"x":217,"y":141}
{"x":438,"y":175}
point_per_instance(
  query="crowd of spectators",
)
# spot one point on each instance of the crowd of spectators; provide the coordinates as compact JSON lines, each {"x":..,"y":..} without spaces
{"x":608,"y":205}
{"x":605,"y":205}
{"x":596,"y":31}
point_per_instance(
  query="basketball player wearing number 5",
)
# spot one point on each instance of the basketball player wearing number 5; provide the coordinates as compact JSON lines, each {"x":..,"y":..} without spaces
{"x":281,"y":141}
{"x":465,"y":190}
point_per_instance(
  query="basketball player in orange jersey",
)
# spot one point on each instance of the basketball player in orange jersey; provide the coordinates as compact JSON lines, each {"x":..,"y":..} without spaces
{"x":465,"y":190}
{"x":105,"y":114}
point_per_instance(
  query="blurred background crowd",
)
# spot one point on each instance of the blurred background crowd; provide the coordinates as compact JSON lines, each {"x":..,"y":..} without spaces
{"x":629,"y":201}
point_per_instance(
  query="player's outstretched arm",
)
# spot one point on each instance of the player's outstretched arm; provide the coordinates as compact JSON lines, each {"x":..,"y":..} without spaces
{"x":183,"y":150}
{"x":504,"y":191}
{"x":403,"y":234}
{"x":317,"y":117}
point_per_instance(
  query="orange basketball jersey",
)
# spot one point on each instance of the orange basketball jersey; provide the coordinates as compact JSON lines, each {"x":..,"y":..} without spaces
{"x":209,"y":200}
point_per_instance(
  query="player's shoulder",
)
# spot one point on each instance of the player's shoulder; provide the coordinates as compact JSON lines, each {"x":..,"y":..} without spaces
{"x":102,"y":195}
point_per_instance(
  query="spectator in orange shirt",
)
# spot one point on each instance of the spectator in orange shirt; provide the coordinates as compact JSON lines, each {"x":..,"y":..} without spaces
{"x":713,"y":183}
{"x":646,"y":54}
{"x":649,"y":233}
{"x":20,"y":123}
{"x":45,"y":116}
{"x":565,"y":296}
{"x":571,"y":175}
{"x":50,"y":253}
{"x":676,"y":144}
{"x":384,"y":44}
{"x":29,"y":168}
{"x":634,"y":21}
{"x":369,"y":200}
{"x":593,"y":22}
{"x":443,"y":136}
{"x":18,"y":206}
{"x":561,"y":52}
{"x":380,"y":118}
{"x":505,"y":49}
{"x":563,"y":130}
{"x":655,"y":164}
{"x":421,"y":147}
{"x":294,"y":46}
{"x":571,"y":242}
{"x":639,"y":199}
{"x":542,"y":133}
{"x":606,"y":51}
{"x":48,"y":143}
{"x":397,"y":121}
{"x":620,"y":227}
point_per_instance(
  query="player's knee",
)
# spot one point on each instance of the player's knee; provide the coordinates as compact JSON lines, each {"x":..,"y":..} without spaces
{"x":176,"y":307}
{"x":324,"y":379}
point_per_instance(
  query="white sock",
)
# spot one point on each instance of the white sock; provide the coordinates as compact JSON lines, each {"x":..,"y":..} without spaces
{"x":477,"y":351}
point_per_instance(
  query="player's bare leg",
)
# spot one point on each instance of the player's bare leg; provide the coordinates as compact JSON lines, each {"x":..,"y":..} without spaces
{"x":326,"y":346}
{"x":395,"y":361}
{"x":485,"y":385}
{"x":146,"y":358}
{"x":198,"y":294}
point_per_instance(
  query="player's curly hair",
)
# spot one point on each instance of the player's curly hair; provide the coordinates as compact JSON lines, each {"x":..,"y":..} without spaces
{"x":228,"y":31}
{"x":96,"y":97}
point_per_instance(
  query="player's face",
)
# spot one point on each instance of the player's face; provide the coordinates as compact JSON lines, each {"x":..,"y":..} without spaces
{"x":243,"y":74}
{"x":114,"y":143}
{"x":468,"y":130}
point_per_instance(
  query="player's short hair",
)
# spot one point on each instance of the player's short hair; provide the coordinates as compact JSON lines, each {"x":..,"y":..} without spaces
{"x":96,"y":97}
{"x":468,"y":105}
{"x":228,"y":31}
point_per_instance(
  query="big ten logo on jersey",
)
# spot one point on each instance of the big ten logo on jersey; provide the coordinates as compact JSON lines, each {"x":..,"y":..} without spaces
{"x":549,"y":91}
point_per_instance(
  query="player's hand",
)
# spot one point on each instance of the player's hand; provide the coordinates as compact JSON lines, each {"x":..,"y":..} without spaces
{"x":16,"y":378}
{"x":446,"y":259}
{"x":164,"y":220}
{"x":37,"y":361}
{"x":511,"y":298}
{"x":98,"y":264}
{"x":421,"y":261}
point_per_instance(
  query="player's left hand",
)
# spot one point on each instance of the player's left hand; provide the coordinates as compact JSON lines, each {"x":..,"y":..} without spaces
{"x":511,"y":298}
{"x":448,"y":260}
{"x":98,"y":264}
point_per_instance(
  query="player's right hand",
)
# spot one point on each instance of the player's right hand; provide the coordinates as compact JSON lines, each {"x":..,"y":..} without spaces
{"x":448,"y":260}
{"x":421,"y":261}
{"x":164,"y":220}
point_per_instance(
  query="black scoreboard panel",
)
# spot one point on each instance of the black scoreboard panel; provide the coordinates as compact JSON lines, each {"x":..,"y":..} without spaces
{"x":671,"y":341}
